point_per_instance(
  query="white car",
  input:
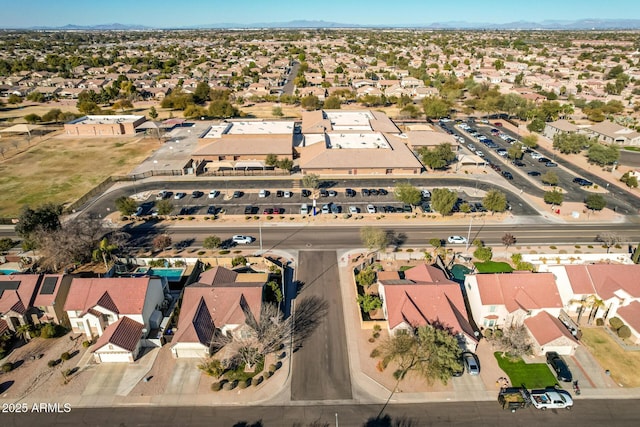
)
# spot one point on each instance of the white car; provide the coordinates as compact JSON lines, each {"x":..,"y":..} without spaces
{"x":262,"y":193}
{"x":371,"y":209}
{"x":353,"y":210}
{"x":326,"y":209}
{"x":425,"y":193}
{"x":138,"y":211}
{"x":457,"y":239}
{"x":178,"y":196}
{"x":535,"y":155}
{"x":213,"y":194}
{"x":162,"y":195}
{"x":287,"y":194}
{"x":241,"y":240}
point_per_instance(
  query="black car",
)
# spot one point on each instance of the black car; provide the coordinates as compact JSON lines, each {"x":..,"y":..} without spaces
{"x":350,"y":193}
{"x":544,"y":160}
{"x":373,"y":192}
{"x":389,"y":209}
{"x":533,"y":173}
{"x":211,"y":210}
{"x":248,"y":210}
{"x":324,"y":193}
{"x":196,"y":194}
{"x":559,"y":366}
{"x":305,"y":193}
{"x":237,"y":194}
{"x":518,"y":163}
{"x":507,"y":174}
{"x":279,"y":193}
{"x":382,"y":192}
{"x":582,"y":182}
{"x":365,"y":192}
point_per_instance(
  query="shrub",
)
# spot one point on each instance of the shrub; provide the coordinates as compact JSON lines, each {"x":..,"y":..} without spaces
{"x":257,"y":380}
{"x":52,"y":363}
{"x":244,"y":383}
{"x":272,"y":368}
{"x":68,"y":372}
{"x":217,"y":386}
{"x":65,"y":356}
{"x":224,"y":252}
{"x":86,"y":344}
{"x":553,"y":247}
{"x":374,"y":353}
{"x":377,"y":328}
{"x":615,"y":323}
{"x":599,"y":321}
{"x":239,"y":260}
{"x":624,"y":332}
{"x":498,"y":333}
{"x":230,"y":385}
{"x":51,"y":330}
{"x":268,"y":375}
{"x":7,"y":367}
{"x":376,"y":335}
{"x":372,"y":340}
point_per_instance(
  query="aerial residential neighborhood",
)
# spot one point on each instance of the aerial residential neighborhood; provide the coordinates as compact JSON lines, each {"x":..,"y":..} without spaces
{"x":312,"y":223}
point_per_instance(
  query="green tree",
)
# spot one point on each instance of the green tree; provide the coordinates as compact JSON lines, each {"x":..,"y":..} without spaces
{"x":483,"y":253}
{"x":443,"y":200}
{"x":202,"y":93}
{"x":88,"y":107}
{"x":239,"y":260}
{"x":495,"y":201}
{"x":630,"y":180}
{"x":153,"y":113}
{"x":554,"y":197}
{"x":595,"y":202}
{"x":212,"y":367}
{"x":126,"y":205}
{"x":277,"y":292}
{"x":407,"y":193}
{"x":285,"y":164}
{"x":332,"y":103}
{"x":14,"y":99}
{"x":122,"y":104}
{"x":36,"y":96}
{"x":603,"y":154}
{"x":310,"y":102}
{"x":6,"y":243}
{"x":374,"y":238}
{"x":366,"y":277}
{"x":439,"y":157}
{"x":211,"y":242}
{"x":431,"y":352}
{"x":45,"y":218}
{"x":271,"y":160}
{"x":103,"y":251}
{"x":277,"y":111}
{"x":23,"y":332}
{"x":536,"y":125}
{"x":550,"y":178}
{"x":32,"y":118}
{"x":515,"y":151}
{"x":436,"y":108}
{"x":164,"y":207}
{"x":568,"y":143}
{"x":369,"y":303}
{"x":311,"y":180}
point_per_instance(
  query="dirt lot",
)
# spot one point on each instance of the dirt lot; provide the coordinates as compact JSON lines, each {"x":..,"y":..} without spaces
{"x":34,"y":378}
{"x":62,"y":169}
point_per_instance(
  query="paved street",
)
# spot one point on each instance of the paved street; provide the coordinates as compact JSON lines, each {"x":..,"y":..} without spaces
{"x":321,"y":367}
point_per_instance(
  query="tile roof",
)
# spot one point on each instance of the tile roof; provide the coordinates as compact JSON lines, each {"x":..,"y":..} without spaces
{"x":125,"y":333}
{"x":240,"y":145}
{"x":604,"y":279}
{"x":631,"y":315}
{"x":126,"y":294}
{"x":47,"y":299}
{"x":4,"y":327}
{"x":217,"y":300}
{"x":520,"y":290}
{"x":546,"y":328}
{"x":17,"y":292}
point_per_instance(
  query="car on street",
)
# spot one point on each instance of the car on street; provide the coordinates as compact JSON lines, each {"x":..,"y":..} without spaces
{"x":371,"y":209}
{"x":582,"y":182}
{"x":241,"y":240}
{"x":211,"y":210}
{"x":457,"y":239}
{"x":353,"y":210}
{"x":533,"y":173}
{"x":551,"y":164}
{"x":559,"y":366}
{"x":507,"y":175}
{"x":471,"y":363}
{"x":213,"y":194}
{"x":179,"y":195}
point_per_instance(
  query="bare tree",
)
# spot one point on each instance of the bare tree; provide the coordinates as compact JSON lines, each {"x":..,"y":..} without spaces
{"x":162,"y":241}
{"x":515,"y":341}
{"x":608,"y":239}
{"x":374,"y":238}
{"x":508,"y":240}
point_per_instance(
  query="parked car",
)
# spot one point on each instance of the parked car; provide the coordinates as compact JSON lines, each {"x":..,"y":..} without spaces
{"x":507,"y":175}
{"x":278,"y":210}
{"x":559,"y":366}
{"x":382,"y":192}
{"x":471,"y":363}
{"x":533,"y":173}
{"x":196,"y":194}
{"x":267,"y":211}
{"x":518,"y":163}
{"x":304,"y":209}
{"x":349,"y":192}
{"x":426,"y":194}
{"x":241,"y":240}
{"x":582,"y":182}
{"x":279,"y":193}
{"x":364,"y":192}
{"x":213,"y":194}
{"x":371,"y":209}
{"x":326,"y":209}
{"x":543,"y":160}
{"x":335,"y":209}
{"x":332,"y":193}
{"x":249,"y":210}
{"x":237,"y":194}
{"x":162,"y":195}
{"x":263,"y":193}
{"x":179,"y":195}
{"x":138,"y":211}
{"x":353,"y":210}
{"x":324,"y":193}
{"x":457,"y":239}
{"x":305,"y":193}
{"x":288,"y":194}
{"x":211,"y":210}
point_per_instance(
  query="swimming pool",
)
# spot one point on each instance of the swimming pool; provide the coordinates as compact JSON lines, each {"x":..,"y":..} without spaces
{"x":172,"y":274}
{"x":8,"y":272}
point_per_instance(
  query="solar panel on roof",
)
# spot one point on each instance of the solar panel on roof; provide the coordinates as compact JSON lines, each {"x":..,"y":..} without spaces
{"x":10,"y":285}
{"x":48,"y":286}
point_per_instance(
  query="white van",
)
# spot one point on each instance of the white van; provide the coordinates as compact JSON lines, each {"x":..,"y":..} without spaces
{"x":304,"y":209}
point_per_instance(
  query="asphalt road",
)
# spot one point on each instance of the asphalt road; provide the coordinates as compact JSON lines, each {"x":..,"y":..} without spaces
{"x":332,"y":237}
{"x":619,"y":412}
{"x":320,"y":368}
{"x":288,"y":87}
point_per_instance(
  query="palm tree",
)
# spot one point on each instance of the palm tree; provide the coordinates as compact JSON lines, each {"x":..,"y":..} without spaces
{"x":24,"y":332}
{"x":583,"y":303}
{"x":596,"y":304}
{"x":103,"y":251}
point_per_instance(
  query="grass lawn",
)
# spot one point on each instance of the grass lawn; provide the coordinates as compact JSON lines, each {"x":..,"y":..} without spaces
{"x":532,"y":375}
{"x":62,"y":169}
{"x":632,"y":148}
{"x":623,"y":365}
{"x":493,"y":267}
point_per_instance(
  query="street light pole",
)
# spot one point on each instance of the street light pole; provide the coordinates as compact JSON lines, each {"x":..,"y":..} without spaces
{"x":469,"y":233}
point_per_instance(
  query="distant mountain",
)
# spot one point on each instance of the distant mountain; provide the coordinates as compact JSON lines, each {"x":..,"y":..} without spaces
{"x":583,"y":24}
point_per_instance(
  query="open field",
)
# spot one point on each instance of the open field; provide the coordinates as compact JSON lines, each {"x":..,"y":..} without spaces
{"x":623,"y":365}
{"x":62,"y":169}
{"x":532,"y":375}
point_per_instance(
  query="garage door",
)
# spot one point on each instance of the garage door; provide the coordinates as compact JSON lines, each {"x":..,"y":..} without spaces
{"x":115,"y":357}
{"x":190,"y":352}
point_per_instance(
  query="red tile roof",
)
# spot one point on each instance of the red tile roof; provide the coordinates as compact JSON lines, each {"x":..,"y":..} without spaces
{"x":20,"y":298}
{"x":213,"y":303}
{"x":125,"y":333}
{"x":604,"y":279}
{"x":124,"y":295}
{"x":425,"y":302}
{"x":546,"y":328}
{"x":631,"y":315}
{"x":46,"y":300}
{"x":4,"y":327}
{"x":523,"y":290}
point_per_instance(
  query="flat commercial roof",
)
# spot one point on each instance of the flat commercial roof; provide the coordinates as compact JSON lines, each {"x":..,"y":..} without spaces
{"x":250,"y":128}
{"x":350,"y":120}
{"x":372,"y":140}
{"x":101,"y":120}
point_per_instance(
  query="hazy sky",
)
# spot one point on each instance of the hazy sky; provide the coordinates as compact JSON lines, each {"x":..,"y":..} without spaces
{"x":179,"y":13}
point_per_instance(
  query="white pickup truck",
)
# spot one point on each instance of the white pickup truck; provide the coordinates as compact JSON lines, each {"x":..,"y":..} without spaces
{"x":551,"y":399}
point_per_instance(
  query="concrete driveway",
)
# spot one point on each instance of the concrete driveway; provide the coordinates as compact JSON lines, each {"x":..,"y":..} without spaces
{"x":185,"y":377}
{"x":106,"y":379}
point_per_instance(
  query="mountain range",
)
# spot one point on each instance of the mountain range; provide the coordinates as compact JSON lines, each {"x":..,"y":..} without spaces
{"x":583,"y":24}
